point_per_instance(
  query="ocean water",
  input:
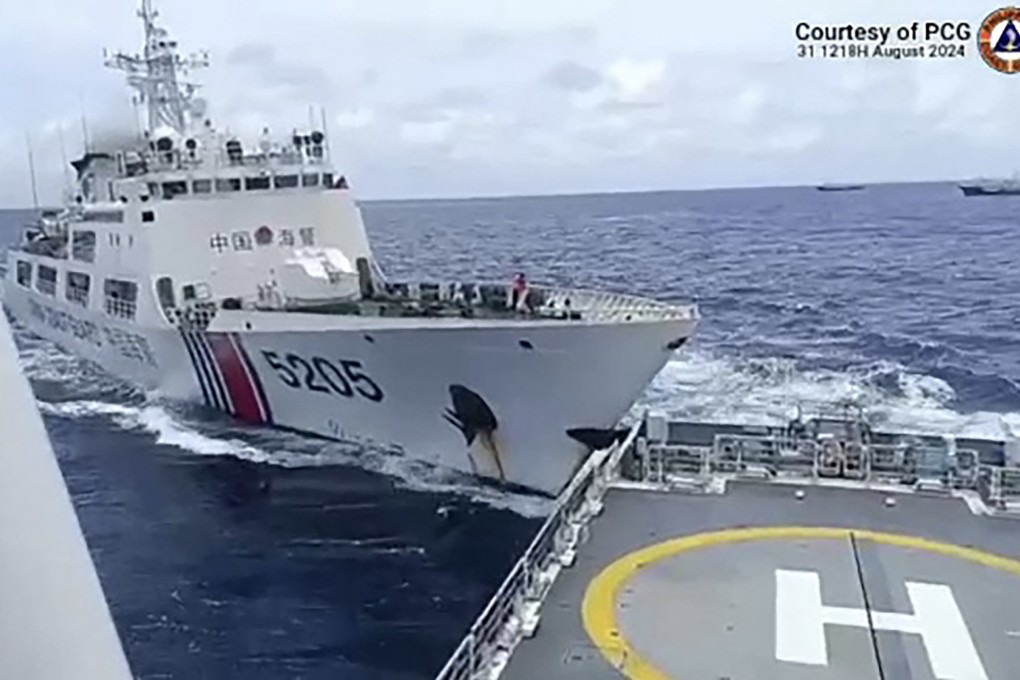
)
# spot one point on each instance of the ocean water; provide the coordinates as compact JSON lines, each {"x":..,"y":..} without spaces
{"x":233,"y":552}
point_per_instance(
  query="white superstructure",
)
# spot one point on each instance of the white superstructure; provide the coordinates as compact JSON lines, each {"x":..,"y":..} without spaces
{"x":240,"y":275}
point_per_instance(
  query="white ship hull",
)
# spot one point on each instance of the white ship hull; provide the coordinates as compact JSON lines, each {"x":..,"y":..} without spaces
{"x":211,"y":270}
{"x":489,"y":398}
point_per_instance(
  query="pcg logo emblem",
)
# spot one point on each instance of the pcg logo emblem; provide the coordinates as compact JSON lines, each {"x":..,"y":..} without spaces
{"x":999,"y":40}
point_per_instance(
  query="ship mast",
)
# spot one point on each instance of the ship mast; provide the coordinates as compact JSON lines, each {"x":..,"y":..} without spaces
{"x":31,"y":172}
{"x":154,"y":75}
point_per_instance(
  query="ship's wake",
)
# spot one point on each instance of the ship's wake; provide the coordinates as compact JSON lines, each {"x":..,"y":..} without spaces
{"x":66,"y":387}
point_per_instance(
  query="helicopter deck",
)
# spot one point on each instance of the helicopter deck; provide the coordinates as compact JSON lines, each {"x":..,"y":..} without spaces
{"x":766,"y":555}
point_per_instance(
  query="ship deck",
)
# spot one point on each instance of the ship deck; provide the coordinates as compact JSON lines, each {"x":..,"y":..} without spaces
{"x":494,"y":301}
{"x":670,"y":558}
{"x":721,"y":586}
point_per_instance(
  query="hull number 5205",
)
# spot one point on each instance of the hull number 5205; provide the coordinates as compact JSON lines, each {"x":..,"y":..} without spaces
{"x":343,"y":378}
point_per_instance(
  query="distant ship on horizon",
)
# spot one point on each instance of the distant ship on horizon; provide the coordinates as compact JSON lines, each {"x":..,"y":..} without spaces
{"x":992,"y":187}
{"x":829,"y":186}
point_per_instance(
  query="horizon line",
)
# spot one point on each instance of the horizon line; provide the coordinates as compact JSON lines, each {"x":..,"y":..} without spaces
{"x":590,"y":193}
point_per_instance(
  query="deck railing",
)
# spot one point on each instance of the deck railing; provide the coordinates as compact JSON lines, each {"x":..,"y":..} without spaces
{"x":607,"y":306}
{"x":1000,"y":487}
{"x":79,"y":296}
{"x":119,"y":307}
{"x":785,"y":457}
{"x":512,"y":612}
{"x":194,"y":316}
{"x":546,"y":301}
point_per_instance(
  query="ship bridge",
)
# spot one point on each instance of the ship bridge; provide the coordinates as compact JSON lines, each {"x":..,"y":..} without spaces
{"x":180,"y":152}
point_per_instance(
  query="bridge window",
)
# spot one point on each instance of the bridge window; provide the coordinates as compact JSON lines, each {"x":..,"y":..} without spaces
{"x":327,"y":180}
{"x":24,"y":273}
{"x":77,"y":289}
{"x":171,"y":189}
{"x":46,"y":280}
{"x":120,"y":298}
{"x":228,"y":184}
{"x":202,"y":186}
{"x":256,"y":183}
{"x":148,"y":216}
{"x":310,"y":180}
{"x":285,"y":181}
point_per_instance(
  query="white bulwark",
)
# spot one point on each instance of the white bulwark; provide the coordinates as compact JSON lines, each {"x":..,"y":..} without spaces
{"x":801,"y":619}
{"x":239,"y":274}
{"x":54,"y":620}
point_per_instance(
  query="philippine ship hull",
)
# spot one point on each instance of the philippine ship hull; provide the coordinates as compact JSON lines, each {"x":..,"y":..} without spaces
{"x":491,"y":399}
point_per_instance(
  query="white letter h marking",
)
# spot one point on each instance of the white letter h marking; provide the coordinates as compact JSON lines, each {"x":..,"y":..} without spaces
{"x":801,"y":619}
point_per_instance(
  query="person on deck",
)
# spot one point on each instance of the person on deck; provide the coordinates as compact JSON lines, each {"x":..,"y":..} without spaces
{"x":518,"y":292}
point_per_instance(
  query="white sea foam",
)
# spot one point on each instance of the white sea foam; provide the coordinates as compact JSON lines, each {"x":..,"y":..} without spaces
{"x":707,"y":386}
{"x":86,"y":408}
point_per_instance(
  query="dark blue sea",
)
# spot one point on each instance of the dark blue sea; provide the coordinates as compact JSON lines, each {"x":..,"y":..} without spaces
{"x":230,"y":552}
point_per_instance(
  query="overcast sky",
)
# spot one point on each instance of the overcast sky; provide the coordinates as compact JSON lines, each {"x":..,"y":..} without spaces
{"x":474,"y":97}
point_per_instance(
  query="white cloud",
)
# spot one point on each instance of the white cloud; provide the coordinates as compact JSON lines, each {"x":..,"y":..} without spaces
{"x":458,"y":97}
{"x":747,"y":105}
{"x":637,"y":80}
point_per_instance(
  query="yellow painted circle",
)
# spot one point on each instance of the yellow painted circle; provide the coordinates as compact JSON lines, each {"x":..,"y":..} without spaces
{"x":599,"y":607}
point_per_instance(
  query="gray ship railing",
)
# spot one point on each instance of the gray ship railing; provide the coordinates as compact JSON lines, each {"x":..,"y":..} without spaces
{"x":544,"y":302}
{"x":119,"y":307}
{"x":1000,"y":487}
{"x":512,"y":613}
{"x":918,"y":465}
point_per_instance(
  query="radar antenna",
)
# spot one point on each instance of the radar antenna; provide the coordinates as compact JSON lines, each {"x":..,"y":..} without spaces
{"x":154,"y":74}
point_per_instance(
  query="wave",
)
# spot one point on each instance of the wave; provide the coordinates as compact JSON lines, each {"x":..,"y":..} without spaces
{"x":706,"y":386}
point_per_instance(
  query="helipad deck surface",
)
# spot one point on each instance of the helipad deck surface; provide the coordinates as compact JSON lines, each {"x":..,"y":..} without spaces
{"x":749,"y":597}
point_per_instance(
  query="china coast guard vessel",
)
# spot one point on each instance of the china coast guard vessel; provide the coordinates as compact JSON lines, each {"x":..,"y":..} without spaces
{"x":241,"y":276}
